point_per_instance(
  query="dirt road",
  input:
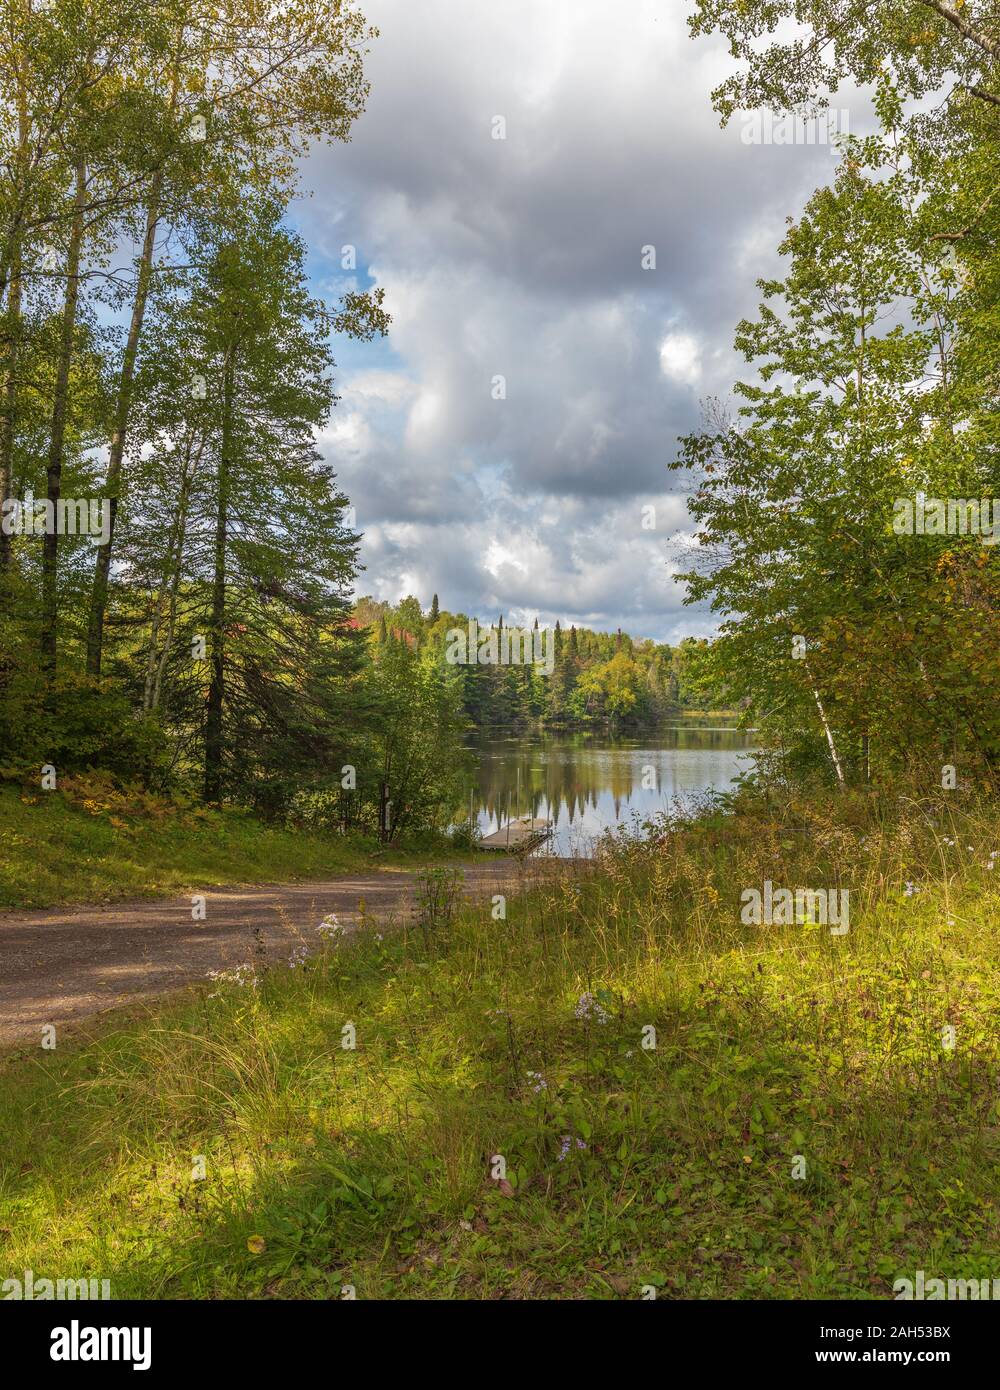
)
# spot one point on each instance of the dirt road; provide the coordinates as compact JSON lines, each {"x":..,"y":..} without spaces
{"x":63,"y":965}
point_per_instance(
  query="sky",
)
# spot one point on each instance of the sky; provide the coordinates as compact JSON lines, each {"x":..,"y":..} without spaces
{"x":503,"y":446}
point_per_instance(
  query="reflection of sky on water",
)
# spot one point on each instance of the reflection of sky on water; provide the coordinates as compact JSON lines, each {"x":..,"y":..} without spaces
{"x":587,"y":783}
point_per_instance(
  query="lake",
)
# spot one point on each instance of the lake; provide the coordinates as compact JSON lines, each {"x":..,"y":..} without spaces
{"x":588,"y":782}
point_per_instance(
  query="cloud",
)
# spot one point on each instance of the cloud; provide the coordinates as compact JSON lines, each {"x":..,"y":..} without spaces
{"x":499,"y":448}
{"x":680,"y":357}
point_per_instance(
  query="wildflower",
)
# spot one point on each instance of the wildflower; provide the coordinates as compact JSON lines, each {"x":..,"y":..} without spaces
{"x":330,"y":928}
{"x":240,"y":975}
{"x":909,"y":889}
{"x":566,"y":1144}
{"x":588,"y":1007}
{"x":298,"y":957}
{"x":538,"y":1082}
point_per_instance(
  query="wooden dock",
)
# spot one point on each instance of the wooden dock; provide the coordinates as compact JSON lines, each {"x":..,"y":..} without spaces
{"x":522,"y":833}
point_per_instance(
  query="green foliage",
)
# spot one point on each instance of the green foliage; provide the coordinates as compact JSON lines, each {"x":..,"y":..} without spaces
{"x":75,"y":723}
{"x":96,"y":838}
{"x":185,"y":390}
{"x":812,"y":46}
{"x":839,"y":631}
{"x":598,"y":678}
{"x":437,"y":897}
{"x":373,"y":1167}
{"x":612,"y":690}
{"x":415,"y":763}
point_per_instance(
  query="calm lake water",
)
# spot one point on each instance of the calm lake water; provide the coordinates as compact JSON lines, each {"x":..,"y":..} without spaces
{"x":586,"y":783}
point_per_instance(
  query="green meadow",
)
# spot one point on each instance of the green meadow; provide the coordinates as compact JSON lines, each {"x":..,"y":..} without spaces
{"x":618,"y":1087}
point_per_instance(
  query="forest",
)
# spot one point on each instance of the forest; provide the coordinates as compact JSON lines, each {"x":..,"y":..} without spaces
{"x":163,"y":354}
{"x":598,"y":679}
{"x":274,"y":1024}
{"x":166,"y":371}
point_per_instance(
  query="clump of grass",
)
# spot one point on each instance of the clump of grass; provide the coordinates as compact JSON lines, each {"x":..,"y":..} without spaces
{"x":675,"y":1098}
{"x":436,"y":901}
{"x":90,"y":842}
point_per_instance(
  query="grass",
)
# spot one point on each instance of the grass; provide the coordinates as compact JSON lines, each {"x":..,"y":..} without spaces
{"x":682,"y":1164}
{"x":88,"y":842}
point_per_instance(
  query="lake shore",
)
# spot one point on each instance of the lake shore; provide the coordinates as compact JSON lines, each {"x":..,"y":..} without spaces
{"x":586,"y":783}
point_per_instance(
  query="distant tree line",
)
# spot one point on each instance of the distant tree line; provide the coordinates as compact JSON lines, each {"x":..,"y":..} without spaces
{"x":598,"y":678}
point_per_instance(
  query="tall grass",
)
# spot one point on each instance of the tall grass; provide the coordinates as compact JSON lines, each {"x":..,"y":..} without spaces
{"x":803,"y":1126}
